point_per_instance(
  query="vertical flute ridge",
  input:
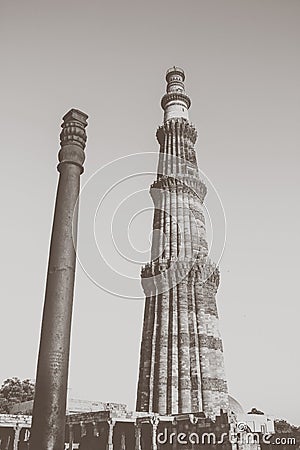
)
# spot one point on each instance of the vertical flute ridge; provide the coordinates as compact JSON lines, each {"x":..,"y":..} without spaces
{"x":150,"y":407}
{"x":172,"y":406}
{"x":183,"y":349}
{"x":194,"y":349}
{"x":163,"y":352}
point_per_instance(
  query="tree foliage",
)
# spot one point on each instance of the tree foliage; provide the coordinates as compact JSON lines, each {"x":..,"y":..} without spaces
{"x":13,"y":391}
{"x":282,"y":426}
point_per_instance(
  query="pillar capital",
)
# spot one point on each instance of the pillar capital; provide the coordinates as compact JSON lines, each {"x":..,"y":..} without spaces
{"x":73,"y":128}
{"x":73,"y":139}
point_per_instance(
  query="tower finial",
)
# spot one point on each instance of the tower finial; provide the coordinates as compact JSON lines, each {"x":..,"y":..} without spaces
{"x":175,"y":102}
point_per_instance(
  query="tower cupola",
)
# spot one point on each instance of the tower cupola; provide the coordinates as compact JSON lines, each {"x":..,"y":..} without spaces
{"x":175,"y":102}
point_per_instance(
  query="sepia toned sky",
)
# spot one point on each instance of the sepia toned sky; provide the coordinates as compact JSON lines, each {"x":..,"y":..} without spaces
{"x":241,"y":59}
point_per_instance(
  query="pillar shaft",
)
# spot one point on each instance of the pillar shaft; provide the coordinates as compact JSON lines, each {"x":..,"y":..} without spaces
{"x":137,"y":435}
{"x":110,"y":439}
{"x":71,"y":437}
{"x":48,"y":425}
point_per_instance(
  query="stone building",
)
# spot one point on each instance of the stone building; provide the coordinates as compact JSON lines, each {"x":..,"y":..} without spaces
{"x":117,"y":429}
{"x":108,"y":430}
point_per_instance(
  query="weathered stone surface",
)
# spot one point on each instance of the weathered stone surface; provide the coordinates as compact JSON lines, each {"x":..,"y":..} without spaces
{"x":210,"y":342}
{"x":52,"y":372}
{"x":182,"y":367}
{"x":214,"y":384}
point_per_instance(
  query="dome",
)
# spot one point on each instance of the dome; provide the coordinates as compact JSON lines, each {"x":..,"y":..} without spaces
{"x":235,"y":406}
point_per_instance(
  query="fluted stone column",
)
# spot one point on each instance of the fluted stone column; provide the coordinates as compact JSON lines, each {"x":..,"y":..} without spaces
{"x":147,"y":339}
{"x":194,"y":227}
{"x":183,"y":349}
{"x":174,"y":225}
{"x":49,"y":410}
{"x":180,"y":221}
{"x":194,"y":348}
{"x":186,"y":224}
{"x":172,"y":406}
{"x":181,"y":368}
{"x":167,"y":229}
{"x":162,"y":377}
{"x":153,"y":362}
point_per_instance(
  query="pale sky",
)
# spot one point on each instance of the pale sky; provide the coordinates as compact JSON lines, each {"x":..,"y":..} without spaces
{"x":241,"y":59}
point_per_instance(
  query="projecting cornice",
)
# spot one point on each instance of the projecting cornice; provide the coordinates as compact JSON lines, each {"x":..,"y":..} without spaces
{"x":179,"y":97}
{"x":195,"y":187}
{"x":186,"y":270}
{"x":180,"y":126}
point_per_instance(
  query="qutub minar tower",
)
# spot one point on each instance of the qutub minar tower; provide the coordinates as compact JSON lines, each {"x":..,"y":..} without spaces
{"x":181,"y":361}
